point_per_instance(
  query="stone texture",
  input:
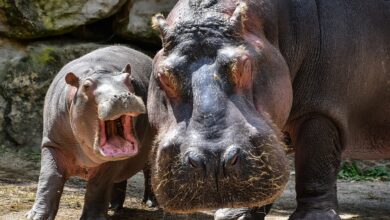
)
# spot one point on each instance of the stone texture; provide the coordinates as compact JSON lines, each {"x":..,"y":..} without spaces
{"x":25,"y":78}
{"x":134,"y":20}
{"x":27,"y":19}
{"x":2,"y":110}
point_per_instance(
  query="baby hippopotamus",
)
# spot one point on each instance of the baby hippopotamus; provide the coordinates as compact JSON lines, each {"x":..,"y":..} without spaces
{"x":94,"y":127}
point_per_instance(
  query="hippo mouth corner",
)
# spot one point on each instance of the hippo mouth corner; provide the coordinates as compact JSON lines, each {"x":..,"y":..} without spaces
{"x":117,"y":138}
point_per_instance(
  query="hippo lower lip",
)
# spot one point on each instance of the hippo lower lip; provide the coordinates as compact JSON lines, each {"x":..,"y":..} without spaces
{"x":117,"y":138}
{"x":261,"y":168}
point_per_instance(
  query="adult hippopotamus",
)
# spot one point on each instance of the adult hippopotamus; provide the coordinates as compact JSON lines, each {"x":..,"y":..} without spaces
{"x":94,"y":127}
{"x":233,"y":75}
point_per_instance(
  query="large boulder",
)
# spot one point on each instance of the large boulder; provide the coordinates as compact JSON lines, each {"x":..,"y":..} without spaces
{"x":27,"y":19}
{"x":25,"y":74}
{"x":134,"y":20}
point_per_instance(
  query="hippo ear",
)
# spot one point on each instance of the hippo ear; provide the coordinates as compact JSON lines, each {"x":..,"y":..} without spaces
{"x":72,"y":79}
{"x":239,"y":16}
{"x":127,"y":69}
{"x":160,"y":24}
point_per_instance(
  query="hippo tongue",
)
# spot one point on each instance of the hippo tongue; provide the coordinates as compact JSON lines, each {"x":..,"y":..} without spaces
{"x":118,"y":140}
{"x":117,"y":147}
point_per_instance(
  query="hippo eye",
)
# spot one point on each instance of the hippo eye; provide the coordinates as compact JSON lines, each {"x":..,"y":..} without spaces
{"x":87,"y":84}
{"x":168,"y":82}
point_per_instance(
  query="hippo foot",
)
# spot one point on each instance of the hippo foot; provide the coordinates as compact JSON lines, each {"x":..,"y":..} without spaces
{"x":116,"y":207}
{"x":36,"y":215}
{"x":151,"y":203}
{"x":239,"y":214}
{"x":315,"y":214}
{"x":150,"y":200}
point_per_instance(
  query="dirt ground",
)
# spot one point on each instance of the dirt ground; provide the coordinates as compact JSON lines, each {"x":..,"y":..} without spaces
{"x":18,"y":182}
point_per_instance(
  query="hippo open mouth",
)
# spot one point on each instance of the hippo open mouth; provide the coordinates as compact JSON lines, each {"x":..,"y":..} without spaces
{"x":117,"y":137}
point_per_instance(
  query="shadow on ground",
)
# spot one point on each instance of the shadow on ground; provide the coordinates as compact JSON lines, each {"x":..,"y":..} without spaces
{"x":141,"y":214}
{"x":19,"y":177}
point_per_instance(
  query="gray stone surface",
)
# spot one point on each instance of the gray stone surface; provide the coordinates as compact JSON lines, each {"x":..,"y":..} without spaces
{"x":27,"y":19}
{"x":134,"y":20}
{"x":2,"y":109}
{"x":25,"y":78}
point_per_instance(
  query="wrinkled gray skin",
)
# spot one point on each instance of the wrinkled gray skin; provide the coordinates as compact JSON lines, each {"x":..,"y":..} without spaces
{"x":85,"y":92}
{"x":319,"y":69}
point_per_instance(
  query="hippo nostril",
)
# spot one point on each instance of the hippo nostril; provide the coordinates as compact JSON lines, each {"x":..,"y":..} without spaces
{"x":193,"y":163}
{"x":195,"y":160}
{"x":233,"y":161}
{"x":231,"y":156}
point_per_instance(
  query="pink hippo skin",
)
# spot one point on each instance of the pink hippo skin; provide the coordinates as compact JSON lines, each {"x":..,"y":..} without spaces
{"x":95,"y":127}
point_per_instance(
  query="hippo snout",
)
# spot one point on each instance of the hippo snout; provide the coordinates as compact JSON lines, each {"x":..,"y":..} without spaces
{"x":225,"y":163}
{"x":215,"y":174}
{"x":121,"y":104}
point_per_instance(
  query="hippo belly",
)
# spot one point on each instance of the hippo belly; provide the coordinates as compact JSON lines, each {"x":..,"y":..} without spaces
{"x":369,"y":137}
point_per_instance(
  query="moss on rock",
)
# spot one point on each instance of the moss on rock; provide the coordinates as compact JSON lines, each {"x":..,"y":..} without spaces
{"x":134,"y":20}
{"x":29,"y":19}
{"x":25,"y":81}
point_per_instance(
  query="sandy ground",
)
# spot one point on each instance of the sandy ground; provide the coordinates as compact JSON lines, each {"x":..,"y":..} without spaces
{"x":18,"y":181}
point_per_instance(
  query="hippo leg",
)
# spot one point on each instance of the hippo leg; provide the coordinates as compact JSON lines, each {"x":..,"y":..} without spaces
{"x":149,"y":197}
{"x":118,"y":195}
{"x":98,"y":195}
{"x":50,"y":187}
{"x":317,"y":161}
{"x":258,"y":213}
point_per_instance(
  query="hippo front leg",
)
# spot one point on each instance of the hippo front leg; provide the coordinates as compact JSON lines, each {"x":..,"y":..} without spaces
{"x":118,"y":195}
{"x":149,"y":197}
{"x":317,"y":162}
{"x":98,"y":194}
{"x":50,"y":186}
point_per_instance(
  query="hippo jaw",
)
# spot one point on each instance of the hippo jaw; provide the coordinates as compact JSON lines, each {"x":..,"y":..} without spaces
{"x":103,"y":111}
{"x":116,"y":131}
{"x":181,"y":188}
{"x":117,"y":138}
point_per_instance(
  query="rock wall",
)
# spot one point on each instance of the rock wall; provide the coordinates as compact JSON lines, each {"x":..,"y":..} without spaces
{"x":140,"y":13}
{"x":37,"y":37}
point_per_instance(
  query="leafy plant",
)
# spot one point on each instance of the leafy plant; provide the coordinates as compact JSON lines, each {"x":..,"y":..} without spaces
{"x":351,"y":171}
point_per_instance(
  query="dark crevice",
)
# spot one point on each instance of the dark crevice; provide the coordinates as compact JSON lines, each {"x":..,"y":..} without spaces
{"x":319,"y":29}
{"x":7,"y":123}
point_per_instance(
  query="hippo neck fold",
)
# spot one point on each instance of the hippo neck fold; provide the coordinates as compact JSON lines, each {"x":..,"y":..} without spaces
{"x":298,"y":30}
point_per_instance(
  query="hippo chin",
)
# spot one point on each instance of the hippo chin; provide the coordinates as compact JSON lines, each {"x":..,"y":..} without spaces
{"x":232,"y":75}
{"x":95,"y":127}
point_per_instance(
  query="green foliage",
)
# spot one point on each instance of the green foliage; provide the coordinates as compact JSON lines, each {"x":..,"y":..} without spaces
{"x":33,"y":155}
{"x":351,"y":171}
{"x":44,"y":56}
